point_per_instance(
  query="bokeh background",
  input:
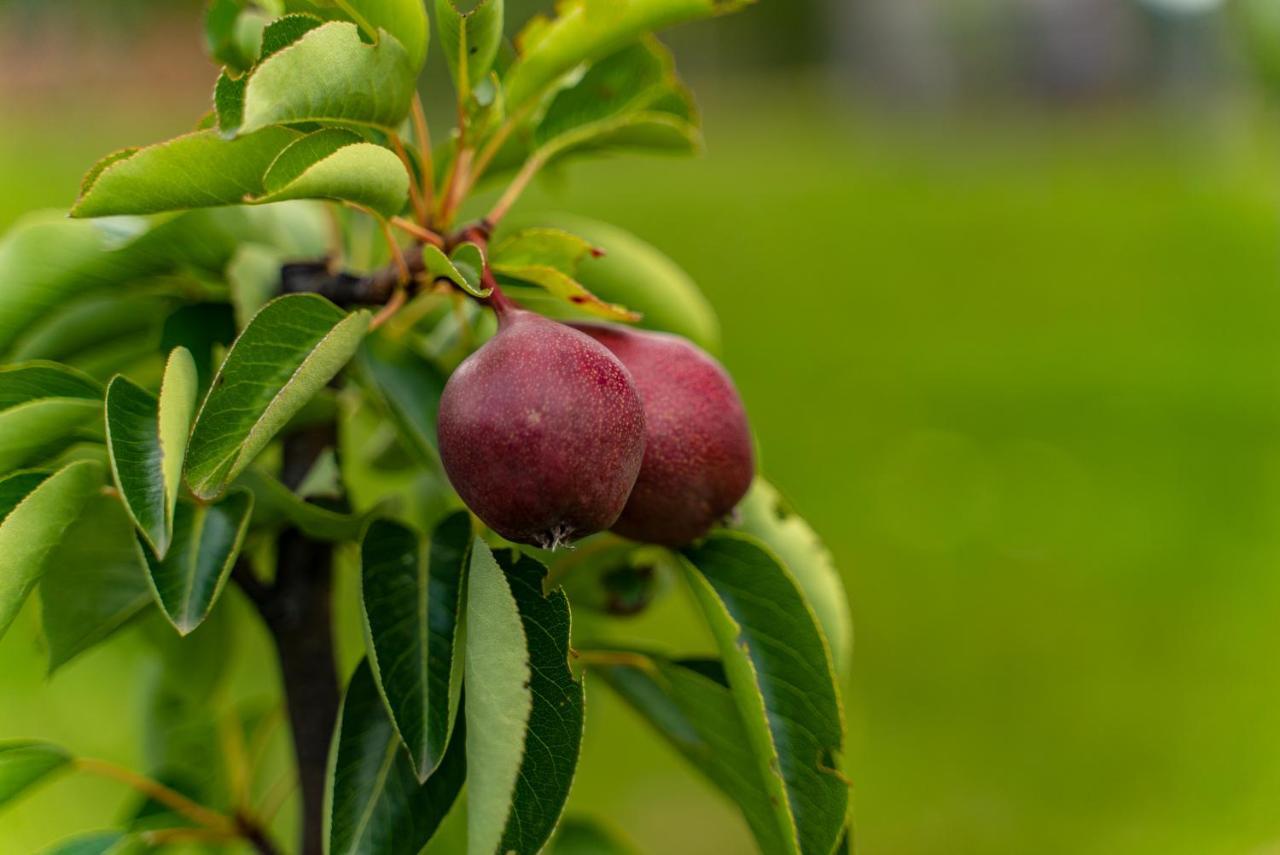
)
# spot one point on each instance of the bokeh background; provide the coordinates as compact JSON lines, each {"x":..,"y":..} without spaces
{"x":1000,"y":284}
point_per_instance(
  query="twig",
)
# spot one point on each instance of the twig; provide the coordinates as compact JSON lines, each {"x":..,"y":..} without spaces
{"x":517,"y":186}
{"x":423,"y":234}
{"x":415,"y":196}
{"x":157,"y":791}
{"x":426,"y":159}
{"x":397,"y":301}
{"x":456,"y":189}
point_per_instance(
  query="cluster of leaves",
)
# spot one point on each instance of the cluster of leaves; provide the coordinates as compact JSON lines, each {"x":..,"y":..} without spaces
{"x":152,"y":374}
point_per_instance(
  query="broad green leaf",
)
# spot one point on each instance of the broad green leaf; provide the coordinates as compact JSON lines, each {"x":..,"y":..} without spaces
{"x":566,"y":288}
{"x":206,"y":542}
{"x":549,"y":259}
{"x":228,"y":93}
{"x":199,"y":170}
{"x":335,"y":163}
{"x":523,"y":763}
{"x":96,"y":581}
{"x":767,"y":516}
{"x":14,"y":488}
{"x":470,"y":40}
{"x":462,"y":269}
{"x":410,"y":387}
{"x":147,"y":441}
{"x":691,"y":706}
{"x":49,"y":262}
{"x":35,"y":524}
{"x":588,"y":30}
{"x":632,"y":80}
{"x":375,"y":804}
{"x":499,"y":701}
{"x":95,"y":843}
{"x":275,"y":504}
{"x":411,"y":591}
{"x":778,"y":668}
{"x":404,"y":19}
{"x":204,"y":330}
{"x":287,"y":353}
{"x":81,"y":327}
{"x":579,"y":835}
{"x":25,"y":763}
{"x":642,"y":132}
{"x":42,"y":406}
{"x":639,"y":276}
{"x":20,"y":384}
{"x":331,"y":75}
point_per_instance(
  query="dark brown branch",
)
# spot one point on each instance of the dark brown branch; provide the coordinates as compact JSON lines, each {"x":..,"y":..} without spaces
{"x":297,"y":610}
{"x":373,"y":289}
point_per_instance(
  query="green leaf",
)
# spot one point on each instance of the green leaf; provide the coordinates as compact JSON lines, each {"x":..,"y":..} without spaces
{"x":549,"y":259}
{"x":375,"y":804}
{"x":96,"y":581}
{"x":636,"y":274}
{"x":95,"y":843}
{"x":203,"y":329}
{"x":640,"y":77}
{"x":147,"y":441}
{"x":410,"y":388}
{"x":779,"y":671}
{"x":25,"y":763}
{"x":42,"y":405}
{"x":691,"y":706}
{"x":253,"y":275}
{"x":587,"y":30}
{"x":199,"y":170}
{"x":579,"y":835}
{"x":275,"y":504}
{"x":206,"y":542}
{"x":335,"y":163}
{"x":35,"y":524}
{"x":764,"y":514}
{"x":470,"y":40}
{"x":329,"y":75}
{"x":404,"y":19}
{"x":566,"y":288}
{"x":288,"y":352}
{"x":412,"y":597}
{"x":524,"y":737}
{"x":462,"y":269}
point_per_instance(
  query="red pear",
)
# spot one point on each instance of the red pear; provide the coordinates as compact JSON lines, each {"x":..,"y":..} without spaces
{"x":541,"y":431}
{"x":699,"y":460}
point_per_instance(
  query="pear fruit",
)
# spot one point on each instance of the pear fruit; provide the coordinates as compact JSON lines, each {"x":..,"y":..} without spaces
{"x":699,"y":458}
{"x":541,"y":431}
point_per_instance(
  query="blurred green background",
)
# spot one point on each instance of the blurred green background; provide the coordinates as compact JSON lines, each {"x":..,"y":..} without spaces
{"x":1000,"y":284}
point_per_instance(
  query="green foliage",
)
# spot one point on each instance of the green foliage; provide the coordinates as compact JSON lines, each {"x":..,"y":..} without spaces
{"x":42,"y":405}
{"x":25,"y":763}
{"x":206,"y":541}
{"x":147,"y":440}
{"x":588,"y":30}
{"x":101,"y":843}
{"x":287,"y":353}
{"x":363,"y":85}
{"x":764,"y":514}
{"x":377,"y":804}
{"x":252,"y":405}
{"x":36,"y":514}
{"x":96,"y":581}
{"x":630,"y":272}
{"x":412,"y":596}
{"x":470,"y":40}
{"x":778,"y":668}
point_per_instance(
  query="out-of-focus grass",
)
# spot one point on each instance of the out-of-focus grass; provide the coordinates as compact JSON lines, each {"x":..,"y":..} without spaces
{"x":1024,"y":376}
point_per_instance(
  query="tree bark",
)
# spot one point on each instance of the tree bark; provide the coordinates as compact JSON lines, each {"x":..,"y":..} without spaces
{"x":297,"y":610}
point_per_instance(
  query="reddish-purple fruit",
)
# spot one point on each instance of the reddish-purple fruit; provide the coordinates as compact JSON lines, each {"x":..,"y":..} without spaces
{"x":541,"y":431}
{"x":699,"y":460}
